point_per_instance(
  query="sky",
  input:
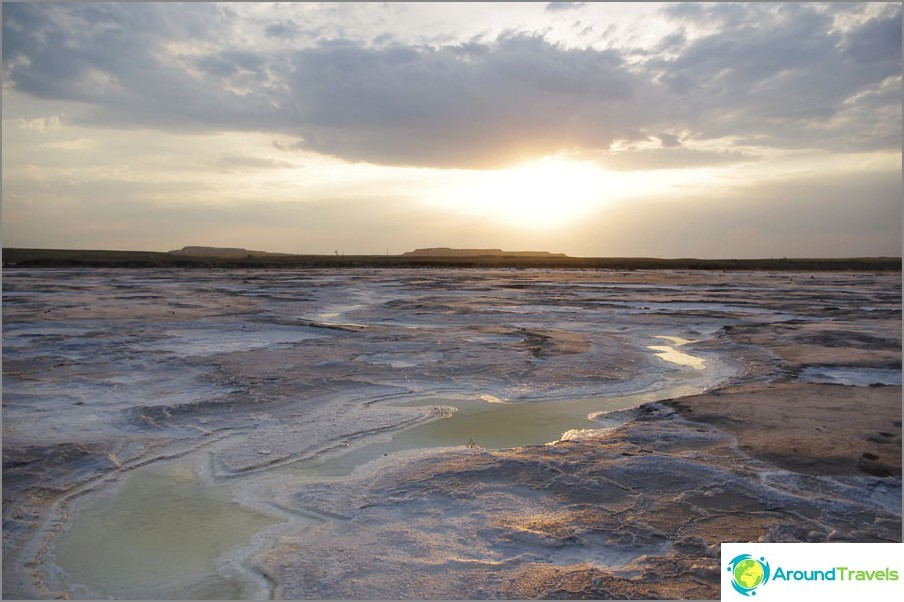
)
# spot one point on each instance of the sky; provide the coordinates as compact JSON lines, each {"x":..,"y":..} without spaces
{"x":593,"y":129}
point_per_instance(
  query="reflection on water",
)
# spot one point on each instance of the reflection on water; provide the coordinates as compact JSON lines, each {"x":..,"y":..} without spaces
{"x":672,"y":355}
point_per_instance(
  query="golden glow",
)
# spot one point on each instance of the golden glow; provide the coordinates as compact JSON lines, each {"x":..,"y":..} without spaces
{"x":555,"y":192}
{"x":670,"y":354}
{"x":548,"y":193}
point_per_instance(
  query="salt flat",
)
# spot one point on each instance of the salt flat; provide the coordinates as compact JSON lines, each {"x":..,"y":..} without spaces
{"x":440,"y":433}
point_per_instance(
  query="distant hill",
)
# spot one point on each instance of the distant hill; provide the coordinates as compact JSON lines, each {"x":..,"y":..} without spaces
{"x":469,"y":258}
{"x":447,"y":252}
{"x":222,"y":252}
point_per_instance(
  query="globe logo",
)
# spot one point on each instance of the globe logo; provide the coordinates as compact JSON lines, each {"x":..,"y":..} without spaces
{"x":748,"y":573}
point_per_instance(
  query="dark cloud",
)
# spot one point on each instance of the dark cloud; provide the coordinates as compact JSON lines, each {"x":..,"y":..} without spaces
{"x":878,"y":40}
{"x":781,"y":76}
{"x":669,"y":140}
{"x":282,"y":29}
{"x":468,"y":105}
{"x":112,"y":58}
{"x":230,"y":62}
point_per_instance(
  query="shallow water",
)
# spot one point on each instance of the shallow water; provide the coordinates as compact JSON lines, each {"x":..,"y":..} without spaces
{"x":158,"y":537}
{"x":164,"y":529}
{"x":476,"y":422}
{"x":851,"y":375}
{"x":668,"y":353}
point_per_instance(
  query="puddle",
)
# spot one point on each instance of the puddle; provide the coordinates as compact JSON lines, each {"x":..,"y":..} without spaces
{"x":670,"y":354}
{"x":850,"y":375}
{"x":401,"y":360}
{"x":492,"y":424}
{"x":160,"y":536}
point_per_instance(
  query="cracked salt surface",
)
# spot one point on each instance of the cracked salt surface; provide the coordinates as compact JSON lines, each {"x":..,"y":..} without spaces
{"x":125,"y":365}
{"x":211,"y":337}
{"x":121,"y":530}
{"x":851,"y":375}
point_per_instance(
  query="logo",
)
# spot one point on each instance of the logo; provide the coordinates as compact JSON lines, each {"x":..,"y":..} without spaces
{"x":748,"y":573}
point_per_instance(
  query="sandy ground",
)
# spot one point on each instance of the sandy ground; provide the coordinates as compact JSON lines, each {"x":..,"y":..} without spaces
{"x":818,"y":429}
{"x":269,"y":369}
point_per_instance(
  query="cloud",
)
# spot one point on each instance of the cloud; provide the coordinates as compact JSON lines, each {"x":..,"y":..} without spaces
{"x":674,"y":157}
{"x":282,"y":29}
{"x":877,"y":41}
{"x":768,"y":76}
{"x":804,"y":217}
{"x":39,"y":124}
{"x":250,"y":163}
{"x":562,"y":6}
{"x":669,"y":140}
{"x":77,"y":144}
{"x":471,"y":105}
{"x":784,"y":76}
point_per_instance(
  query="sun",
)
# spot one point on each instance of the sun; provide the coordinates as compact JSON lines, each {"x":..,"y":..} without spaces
{"x":543,"y":194}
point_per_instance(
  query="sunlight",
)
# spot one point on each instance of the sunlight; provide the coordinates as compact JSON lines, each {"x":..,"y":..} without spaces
{"x":543,"y":194}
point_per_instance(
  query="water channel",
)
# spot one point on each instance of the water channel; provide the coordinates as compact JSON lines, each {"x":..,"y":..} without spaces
{"x":173,"y":530}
